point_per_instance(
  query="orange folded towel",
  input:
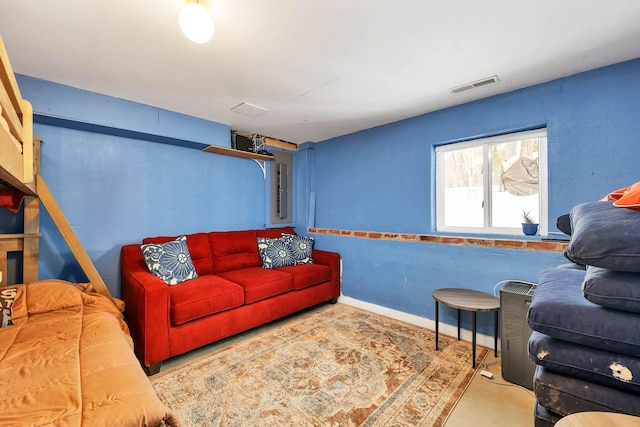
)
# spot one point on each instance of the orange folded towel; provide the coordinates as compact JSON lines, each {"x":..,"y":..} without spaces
{"x":628,"y":197}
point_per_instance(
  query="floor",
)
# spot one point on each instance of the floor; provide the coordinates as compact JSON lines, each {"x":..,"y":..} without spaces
{"x":493,"y":402}
{"x":486,"y":402}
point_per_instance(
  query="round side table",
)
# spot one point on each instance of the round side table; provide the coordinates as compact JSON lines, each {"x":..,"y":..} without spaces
{"x":473,"y":301}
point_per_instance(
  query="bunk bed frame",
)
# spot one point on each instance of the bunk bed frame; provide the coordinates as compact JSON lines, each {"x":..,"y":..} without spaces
{"x":19,"y":171}
{"x":91,"y":368}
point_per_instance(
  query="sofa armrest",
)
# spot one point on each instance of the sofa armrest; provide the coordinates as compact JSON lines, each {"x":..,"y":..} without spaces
{"x":331,"y":259}
{"x":147,"y":306}
{"x":326,"y":258}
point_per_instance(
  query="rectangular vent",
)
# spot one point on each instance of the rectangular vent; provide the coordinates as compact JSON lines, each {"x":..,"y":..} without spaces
{"x":249,"y":109}
{"x":473,"y":85}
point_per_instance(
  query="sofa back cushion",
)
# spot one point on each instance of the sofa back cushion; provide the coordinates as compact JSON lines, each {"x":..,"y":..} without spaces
{"x":199,"y":250}
{"x":234,"y":250}
{"x":275,"y":233}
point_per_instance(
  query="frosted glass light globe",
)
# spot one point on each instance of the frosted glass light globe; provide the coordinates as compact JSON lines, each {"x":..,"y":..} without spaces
{"x":196,"y":23}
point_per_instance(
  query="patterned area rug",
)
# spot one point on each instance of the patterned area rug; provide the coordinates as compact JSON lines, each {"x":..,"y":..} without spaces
{"x":332,"y":366}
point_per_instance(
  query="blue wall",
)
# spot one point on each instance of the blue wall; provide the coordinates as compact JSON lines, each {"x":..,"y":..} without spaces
{"x":116,"y":188}
{"x":593,"y":135}
{"x":593,"y":148}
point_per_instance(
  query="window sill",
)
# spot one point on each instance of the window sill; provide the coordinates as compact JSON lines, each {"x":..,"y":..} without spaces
{"x":533,"y":243}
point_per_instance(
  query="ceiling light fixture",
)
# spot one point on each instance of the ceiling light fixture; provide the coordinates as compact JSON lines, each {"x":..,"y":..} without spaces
{"x":196,"y":22}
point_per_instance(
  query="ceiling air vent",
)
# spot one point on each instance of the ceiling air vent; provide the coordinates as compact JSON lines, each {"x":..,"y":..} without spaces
{"x":249,"y":109}
{"x":473,"y":85}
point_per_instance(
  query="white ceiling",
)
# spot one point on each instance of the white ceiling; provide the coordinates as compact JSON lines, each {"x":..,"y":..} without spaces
{"x":322,"y":68}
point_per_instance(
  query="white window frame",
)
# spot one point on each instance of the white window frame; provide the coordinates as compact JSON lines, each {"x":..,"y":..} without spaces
{"x":486,"y":143}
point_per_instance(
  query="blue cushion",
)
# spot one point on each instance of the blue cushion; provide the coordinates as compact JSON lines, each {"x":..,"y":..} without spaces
{"x":544,"y":417}
{"x":301,"y":248}
{"x":170,"y":261}
{"x":560,"y":310}
{"x":275,"y":253}
{"x":614,"y":289}
{"x":564,"y":224}
{"x":605,"y":236}
{"x":565,"y":395}
{"x":591,"y":364}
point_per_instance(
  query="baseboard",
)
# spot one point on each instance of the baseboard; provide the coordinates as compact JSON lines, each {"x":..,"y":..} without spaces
{"x":445,"y":329}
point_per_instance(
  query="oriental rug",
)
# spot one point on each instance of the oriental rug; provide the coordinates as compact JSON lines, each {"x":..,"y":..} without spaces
{"x":332,"y":366}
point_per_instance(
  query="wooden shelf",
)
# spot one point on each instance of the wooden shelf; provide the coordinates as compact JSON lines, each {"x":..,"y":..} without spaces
{"x":236,"y":153}
{"x":272,"y":142}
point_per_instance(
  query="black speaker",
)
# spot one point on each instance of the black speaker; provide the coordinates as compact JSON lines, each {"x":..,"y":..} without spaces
{"x":241,"y":142}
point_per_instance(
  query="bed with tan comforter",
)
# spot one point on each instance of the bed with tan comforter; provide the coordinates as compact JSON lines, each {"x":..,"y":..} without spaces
{"x":66,"y":359}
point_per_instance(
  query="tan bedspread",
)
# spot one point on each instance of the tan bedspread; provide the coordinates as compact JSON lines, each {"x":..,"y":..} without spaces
{"x":67,"y":362}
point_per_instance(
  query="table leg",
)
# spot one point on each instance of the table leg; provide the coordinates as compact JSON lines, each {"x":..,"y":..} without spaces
{"x":473,"y":339}
{"x":458,"y":324}
{"x":495,"y":333}
{"x":436,"y":325}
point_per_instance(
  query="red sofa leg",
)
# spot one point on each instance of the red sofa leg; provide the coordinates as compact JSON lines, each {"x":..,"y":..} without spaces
{"x":152,"y":369}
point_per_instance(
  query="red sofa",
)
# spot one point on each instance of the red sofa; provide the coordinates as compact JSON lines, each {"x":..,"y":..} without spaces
{"x":231,"y":294}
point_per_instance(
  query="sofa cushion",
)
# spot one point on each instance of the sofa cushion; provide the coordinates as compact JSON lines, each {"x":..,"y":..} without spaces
{"x":259,"y":283}
{"x":614,"y":289}
{"x":301,"y":248}
{"x":591,"y":364}
{"x":198,"y":245}
{"x":544,"y":417}
{"x":275,"y":233}
{"x":305,"y":275}
{"x":275,"y":252}
{"x":565,"y":395}
{"x":560,"y":310}
{"x":605,"y":236}
{"x":233,"y":250}
{"x":564,"y":224}
{"x":203,"y":296}
{"x":170,"y":261}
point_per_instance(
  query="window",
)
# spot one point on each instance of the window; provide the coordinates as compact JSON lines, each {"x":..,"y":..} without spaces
{"x":485,"y":185}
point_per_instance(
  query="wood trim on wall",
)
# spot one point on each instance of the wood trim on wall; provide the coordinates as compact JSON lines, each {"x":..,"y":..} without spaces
{"x":531,"y":245}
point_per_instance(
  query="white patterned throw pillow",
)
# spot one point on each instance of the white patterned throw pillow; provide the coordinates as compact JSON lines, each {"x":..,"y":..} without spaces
{"x":170,"y":261}
{"x":275,"y":253}
{"x":7,"y":297}
{"x":301,"y":247}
